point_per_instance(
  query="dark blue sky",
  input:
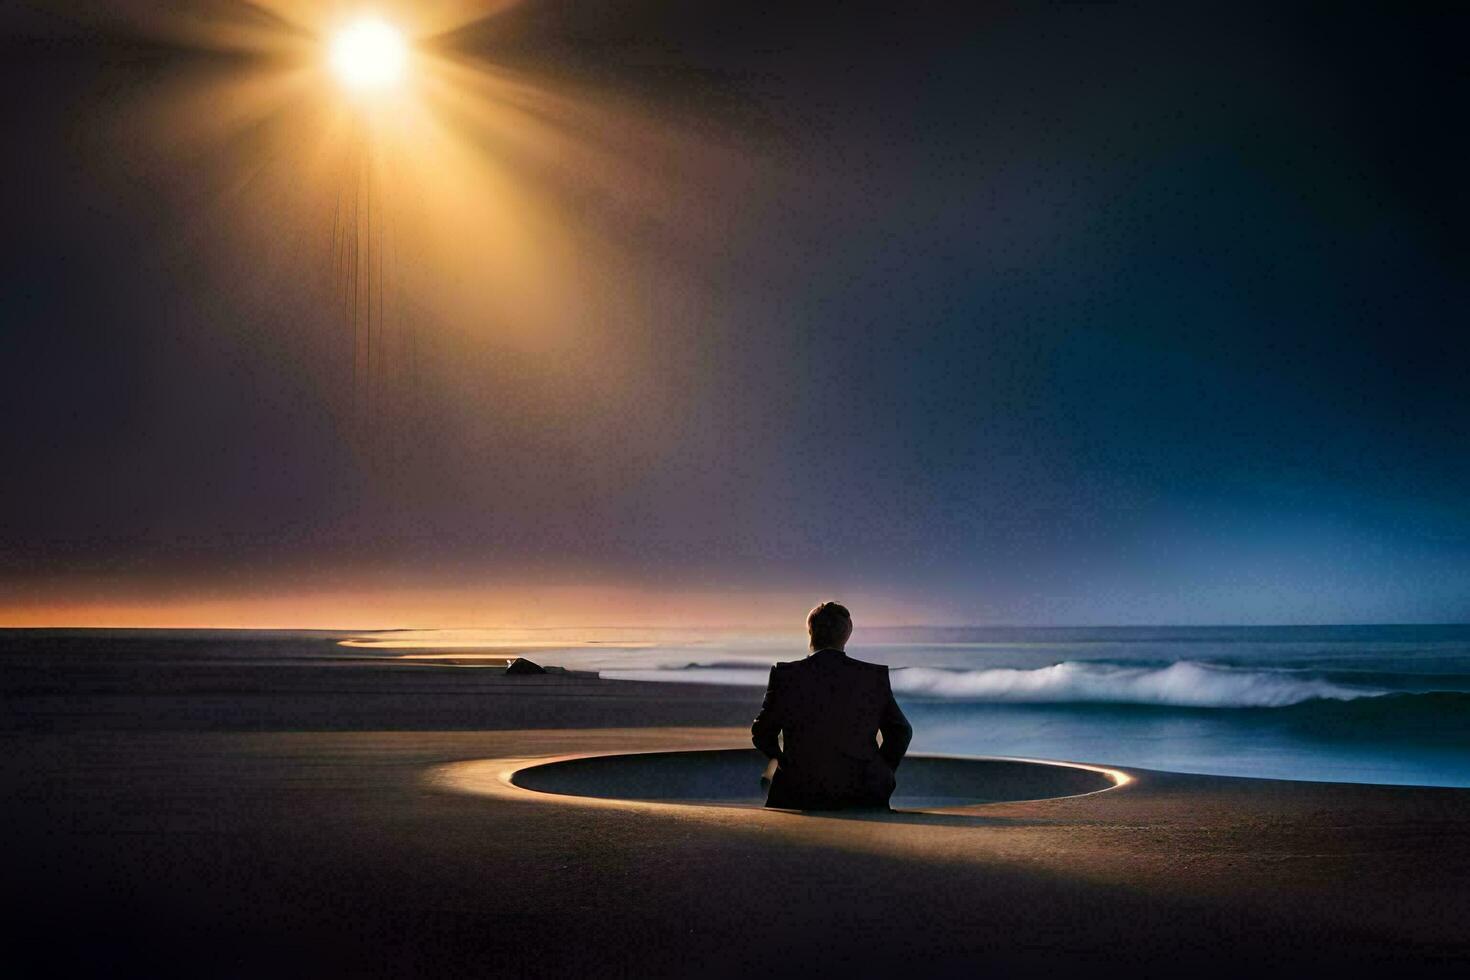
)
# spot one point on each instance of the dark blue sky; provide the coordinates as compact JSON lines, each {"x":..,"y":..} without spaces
{"x":1086,"y":313}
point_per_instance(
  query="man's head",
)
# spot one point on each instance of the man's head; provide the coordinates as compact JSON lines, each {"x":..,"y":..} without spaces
{"x":830,"y":624}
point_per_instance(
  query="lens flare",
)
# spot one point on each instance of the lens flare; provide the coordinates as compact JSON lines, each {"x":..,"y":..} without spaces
{"x":369,"y":55}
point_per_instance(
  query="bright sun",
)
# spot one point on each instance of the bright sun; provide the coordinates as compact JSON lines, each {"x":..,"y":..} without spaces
{"x":369,"y":54}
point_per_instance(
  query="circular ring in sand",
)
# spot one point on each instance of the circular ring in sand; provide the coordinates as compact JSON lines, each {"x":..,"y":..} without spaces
{"x":731,"y":777}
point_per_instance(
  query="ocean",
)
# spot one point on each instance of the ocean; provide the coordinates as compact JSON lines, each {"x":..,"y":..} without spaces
{"x":1364,"y":704}
{"x":1368,"y":704}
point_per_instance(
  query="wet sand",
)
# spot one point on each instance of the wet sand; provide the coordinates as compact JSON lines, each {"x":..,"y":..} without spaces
{"x":213,"y":836}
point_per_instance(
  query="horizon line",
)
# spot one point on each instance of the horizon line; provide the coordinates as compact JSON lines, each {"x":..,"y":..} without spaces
{"x":724,"y":627}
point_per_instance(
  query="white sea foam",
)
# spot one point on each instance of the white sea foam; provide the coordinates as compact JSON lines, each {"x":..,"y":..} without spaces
{"x":1182,"y":684}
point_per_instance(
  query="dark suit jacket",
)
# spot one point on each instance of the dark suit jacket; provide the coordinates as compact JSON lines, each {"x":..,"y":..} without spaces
{"x":829,"y":708}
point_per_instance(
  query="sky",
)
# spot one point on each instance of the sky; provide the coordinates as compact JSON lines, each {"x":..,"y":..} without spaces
{"x":1069,"y":314}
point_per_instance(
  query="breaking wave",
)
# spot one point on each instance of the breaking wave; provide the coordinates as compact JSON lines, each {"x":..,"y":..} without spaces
{"x":1185,"y":683}
{"x":1181,"y":684}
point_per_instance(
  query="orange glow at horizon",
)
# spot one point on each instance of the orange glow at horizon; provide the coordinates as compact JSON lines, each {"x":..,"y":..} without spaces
{"x":492,"y":606}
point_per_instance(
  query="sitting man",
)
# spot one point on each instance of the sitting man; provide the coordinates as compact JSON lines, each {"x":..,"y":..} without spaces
{"x":829,"y":708}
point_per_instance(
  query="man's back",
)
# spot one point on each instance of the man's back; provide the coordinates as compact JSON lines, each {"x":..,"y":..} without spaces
{"x":829,"y":708}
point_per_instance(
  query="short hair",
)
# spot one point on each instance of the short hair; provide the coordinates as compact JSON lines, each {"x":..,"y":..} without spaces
{"x":830,"y":624}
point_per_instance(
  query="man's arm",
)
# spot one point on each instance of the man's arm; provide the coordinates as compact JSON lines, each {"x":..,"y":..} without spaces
{"x":897,"y":732}
{"x":767,"y":724}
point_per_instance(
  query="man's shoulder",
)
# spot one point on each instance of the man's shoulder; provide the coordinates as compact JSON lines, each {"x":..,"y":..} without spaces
{"x":808,"y":661}
{"x":876,"y":668}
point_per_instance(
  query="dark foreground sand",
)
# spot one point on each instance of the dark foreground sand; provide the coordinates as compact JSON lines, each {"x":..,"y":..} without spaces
{"x":173,"y":842}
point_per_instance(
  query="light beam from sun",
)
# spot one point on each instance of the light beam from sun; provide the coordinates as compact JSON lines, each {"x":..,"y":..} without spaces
{"x":368,"y":55}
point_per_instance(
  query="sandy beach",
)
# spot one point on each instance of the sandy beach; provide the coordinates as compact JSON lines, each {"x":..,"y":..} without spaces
{"x":206,"y":828}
